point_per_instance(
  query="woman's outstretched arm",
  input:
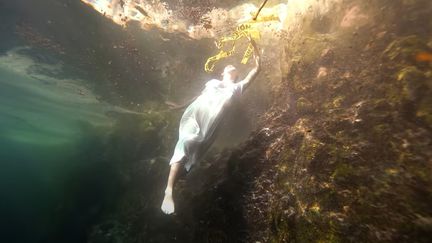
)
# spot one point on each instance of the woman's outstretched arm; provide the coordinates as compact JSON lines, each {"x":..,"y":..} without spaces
{"x":254,"y":72}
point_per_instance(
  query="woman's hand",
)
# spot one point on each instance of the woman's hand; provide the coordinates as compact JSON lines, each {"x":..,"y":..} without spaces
{"x":254,"y":72}
{"x":256,"y":51}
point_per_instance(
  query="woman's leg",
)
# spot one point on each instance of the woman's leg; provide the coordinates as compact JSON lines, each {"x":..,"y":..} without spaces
{"x":168,"y":203}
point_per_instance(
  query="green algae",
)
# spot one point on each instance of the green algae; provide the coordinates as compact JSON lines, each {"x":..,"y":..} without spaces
{"x":424,"y":110}
{"x":413,"y":83}
{"x":343,"y":173}
{"x":303,"y":105}
{"x":405,"y":48}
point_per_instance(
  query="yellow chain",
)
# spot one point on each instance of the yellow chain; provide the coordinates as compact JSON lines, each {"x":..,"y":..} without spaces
{"x":242,"y":31}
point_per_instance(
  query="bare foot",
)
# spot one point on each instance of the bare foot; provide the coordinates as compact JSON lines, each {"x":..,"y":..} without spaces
{"x":168,"y":204}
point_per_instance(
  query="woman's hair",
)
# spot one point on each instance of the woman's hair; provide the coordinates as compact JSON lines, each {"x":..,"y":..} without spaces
{"x":231,"y":68}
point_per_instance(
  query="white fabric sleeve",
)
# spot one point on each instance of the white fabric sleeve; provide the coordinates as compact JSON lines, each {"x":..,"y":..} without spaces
{"x":238,"y":90}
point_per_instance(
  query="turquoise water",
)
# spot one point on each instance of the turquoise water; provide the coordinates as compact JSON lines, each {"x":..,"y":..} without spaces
{"x":47,"y":123}
{"x":54,"y":178}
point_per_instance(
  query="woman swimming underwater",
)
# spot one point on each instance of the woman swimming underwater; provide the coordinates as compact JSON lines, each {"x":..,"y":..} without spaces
{"x":201,"y":118}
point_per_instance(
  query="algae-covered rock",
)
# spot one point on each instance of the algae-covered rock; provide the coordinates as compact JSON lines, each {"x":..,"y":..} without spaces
{"x":406,"y":48}
{"x":303,"y":104}
{"x":413,"y":82}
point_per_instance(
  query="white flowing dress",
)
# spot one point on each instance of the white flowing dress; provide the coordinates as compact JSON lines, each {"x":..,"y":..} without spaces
{"x":201,"y":118}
